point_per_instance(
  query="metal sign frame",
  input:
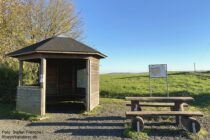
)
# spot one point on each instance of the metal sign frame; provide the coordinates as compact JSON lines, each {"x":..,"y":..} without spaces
{"x":166,"y":79}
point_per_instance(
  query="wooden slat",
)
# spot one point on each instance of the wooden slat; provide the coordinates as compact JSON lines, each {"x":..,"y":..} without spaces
{"x":158,"y":104}
{"x":162,"y":113}
{"x":155,"y":104}
{"x":159,"y":99}
{"x":94,"y":74}
{"x":51,"y":87}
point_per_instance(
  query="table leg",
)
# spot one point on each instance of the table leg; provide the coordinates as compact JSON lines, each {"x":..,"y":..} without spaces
{"x":178,"y":107}
{"x":135,"y":106}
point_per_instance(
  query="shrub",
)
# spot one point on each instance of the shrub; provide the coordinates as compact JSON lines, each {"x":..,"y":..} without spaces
{"x":8,"y":83}
{"x":9,"y":79}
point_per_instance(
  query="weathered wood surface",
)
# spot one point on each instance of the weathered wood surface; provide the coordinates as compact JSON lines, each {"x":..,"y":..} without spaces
{"x":94,"y":82}
{"x":88,"y":83}
{"x":161,"y":105}
{"x":160,"y":99}
{"x":179,"y":103}
{"x":155,"y":104}
{"x":179,"y":106}
{"x":43,"y":69}
{"x":36,"y":56}
{"x":162,"y":113}
{"x":190,"y":124}
{"x":52,"y":78}
{"x":138,"y":124}
{"x":61,"y":76}
{"x":135,"y":106}
{"x":28,"y":99}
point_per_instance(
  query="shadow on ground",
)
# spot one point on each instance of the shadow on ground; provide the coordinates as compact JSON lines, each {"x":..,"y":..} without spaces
{"x":108,"y":126}
{"x":99,"y":118}
{"x":65,"y":107}
{"x":166,"y":132}
{"x":164,"y":129}
{"x":88,"y":126}
{"x":202,"y":100}
{"x":118,"y":132}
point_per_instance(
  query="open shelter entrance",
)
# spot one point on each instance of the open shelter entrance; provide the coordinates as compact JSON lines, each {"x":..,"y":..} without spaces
{"x":67,"y":78}
{"x":68,"y":71}
{"x":67,"y":81}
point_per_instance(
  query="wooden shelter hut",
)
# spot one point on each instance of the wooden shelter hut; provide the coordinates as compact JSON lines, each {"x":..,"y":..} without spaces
{"x":68,"y":69}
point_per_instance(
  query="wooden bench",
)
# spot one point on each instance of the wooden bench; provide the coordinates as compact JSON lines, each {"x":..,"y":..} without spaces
{"x":154,"y":104}
{"x":186,"y":120}
{"x":171,"y":105}
{"x":179,"y":103}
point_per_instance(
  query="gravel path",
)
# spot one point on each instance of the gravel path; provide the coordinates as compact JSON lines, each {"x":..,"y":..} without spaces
{"x":108,"y":123}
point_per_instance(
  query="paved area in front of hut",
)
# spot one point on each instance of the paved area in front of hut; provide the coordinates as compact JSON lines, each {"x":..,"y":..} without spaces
{"x":106,"y":122}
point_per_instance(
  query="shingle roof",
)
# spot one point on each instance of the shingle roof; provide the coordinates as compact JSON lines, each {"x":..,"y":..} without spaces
{"x":57,"y":45}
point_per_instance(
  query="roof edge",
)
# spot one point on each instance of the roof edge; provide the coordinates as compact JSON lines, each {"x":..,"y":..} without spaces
{"x":57,"y":52}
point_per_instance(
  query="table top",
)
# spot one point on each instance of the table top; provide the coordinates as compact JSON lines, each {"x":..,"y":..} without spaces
{"x":165,"y":113}
{"x":160,"y":99}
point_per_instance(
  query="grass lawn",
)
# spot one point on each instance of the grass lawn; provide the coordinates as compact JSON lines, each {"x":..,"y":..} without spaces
{"x":7,"y":111}
{"x":192,"y":84}
{"x":119,"y":86}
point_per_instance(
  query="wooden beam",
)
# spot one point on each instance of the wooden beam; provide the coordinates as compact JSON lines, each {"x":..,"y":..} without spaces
{"x":31,"y":57}
{"x":156,"y":104}
{"x":162,"y":113}
{"x":20,"y":80}
{"x":88,"y":85}
{"x":43,"y":85}
{"x":159,"y":99}
{"x":57,"y":52}
{"x":65,"y":56}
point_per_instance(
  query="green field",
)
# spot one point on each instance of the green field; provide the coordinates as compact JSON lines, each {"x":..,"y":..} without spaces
{"x":192,"y":84}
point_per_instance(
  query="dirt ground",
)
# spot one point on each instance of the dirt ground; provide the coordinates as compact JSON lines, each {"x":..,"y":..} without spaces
{"x":67,"y":123}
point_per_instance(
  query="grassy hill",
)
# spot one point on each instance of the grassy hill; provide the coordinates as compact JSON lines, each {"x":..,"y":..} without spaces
{"x":192,"y":84}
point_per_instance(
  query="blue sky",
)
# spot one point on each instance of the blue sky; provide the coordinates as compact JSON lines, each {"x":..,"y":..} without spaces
{"x":136,"y":33}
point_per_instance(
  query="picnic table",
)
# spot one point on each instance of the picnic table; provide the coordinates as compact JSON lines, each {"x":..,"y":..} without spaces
{"x":183,"y":118}
{"x":178,"y":102}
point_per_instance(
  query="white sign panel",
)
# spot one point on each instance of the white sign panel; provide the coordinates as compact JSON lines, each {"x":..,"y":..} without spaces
{"x":158,"y":71}
{"x":81,"y":78}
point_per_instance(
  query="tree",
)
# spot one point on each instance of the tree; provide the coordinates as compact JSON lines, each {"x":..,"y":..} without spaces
{"x":55,"y":18}
{"x":24,"y":22}
{"x":11,"y":26}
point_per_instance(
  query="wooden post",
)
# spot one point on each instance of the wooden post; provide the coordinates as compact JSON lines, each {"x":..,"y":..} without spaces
{"x":135,"y":106}
{"x":20,"y":80}
{"x":88,"y":85}
{"x":137,"y":123}
{"x":43,"y":85}
{"x":178,"y":107}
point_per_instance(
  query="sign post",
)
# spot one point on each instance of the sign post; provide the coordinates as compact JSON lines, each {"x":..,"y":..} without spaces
{"x":158,"y":71}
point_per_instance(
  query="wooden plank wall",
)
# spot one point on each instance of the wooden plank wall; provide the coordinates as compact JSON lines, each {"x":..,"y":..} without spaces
{"x":28,"y":99}
{"x":62,"y":77}
{"x":94,"y":82}
{"x":52,"y":78}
